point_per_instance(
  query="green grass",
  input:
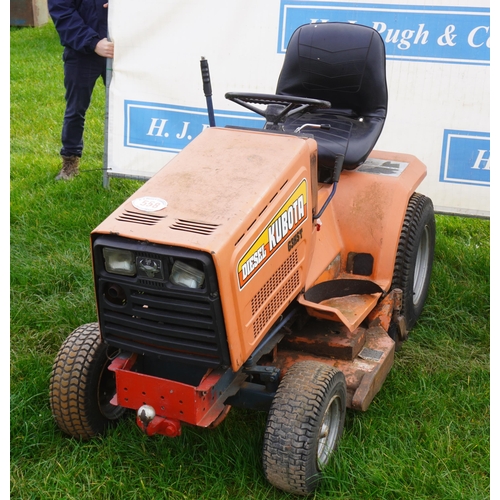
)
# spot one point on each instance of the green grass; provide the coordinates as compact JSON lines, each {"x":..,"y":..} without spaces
{"x":425,"y":436}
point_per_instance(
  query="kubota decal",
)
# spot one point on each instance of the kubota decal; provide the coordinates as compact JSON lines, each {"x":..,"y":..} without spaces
{"x":289,"y":217}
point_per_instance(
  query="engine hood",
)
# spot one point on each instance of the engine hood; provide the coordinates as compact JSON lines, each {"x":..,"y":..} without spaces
{"x":213,"y":191}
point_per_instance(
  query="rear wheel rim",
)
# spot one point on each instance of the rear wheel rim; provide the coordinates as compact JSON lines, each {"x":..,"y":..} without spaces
{"x":421,"y":265}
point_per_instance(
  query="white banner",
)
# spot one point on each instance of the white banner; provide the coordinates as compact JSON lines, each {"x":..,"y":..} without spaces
{"x":438,"y":73}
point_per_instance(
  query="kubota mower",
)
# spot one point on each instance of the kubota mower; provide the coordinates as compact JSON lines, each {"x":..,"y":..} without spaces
{"x":276,"y":269}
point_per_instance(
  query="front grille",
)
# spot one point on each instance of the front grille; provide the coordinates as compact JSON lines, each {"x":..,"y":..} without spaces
{"x":167,"y":327}
{"x":157,"y":318}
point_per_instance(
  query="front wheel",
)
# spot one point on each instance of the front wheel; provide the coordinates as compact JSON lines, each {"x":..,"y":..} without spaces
{"x":414,"y":258}
{"x":304,"y":426}
{"x":81,"y":386}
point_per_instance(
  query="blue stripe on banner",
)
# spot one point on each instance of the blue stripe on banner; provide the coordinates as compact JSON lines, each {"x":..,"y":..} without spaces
{"x":459,"y":35}
{"x":465,"y":158}
{"x":170,"y":128}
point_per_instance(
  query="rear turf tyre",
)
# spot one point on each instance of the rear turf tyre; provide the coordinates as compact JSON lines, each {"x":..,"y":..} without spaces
{"x":81,"y":386}
{"x":414,"y":258}
{"x":304,"y":426}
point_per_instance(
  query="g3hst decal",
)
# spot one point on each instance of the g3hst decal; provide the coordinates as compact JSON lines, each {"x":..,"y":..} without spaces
{"x":289,"y":217}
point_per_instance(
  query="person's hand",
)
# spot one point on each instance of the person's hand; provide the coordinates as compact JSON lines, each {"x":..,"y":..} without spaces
{"x":105,"y":48}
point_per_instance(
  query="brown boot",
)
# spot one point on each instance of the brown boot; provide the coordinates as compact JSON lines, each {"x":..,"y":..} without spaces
{"x":69,"y":168}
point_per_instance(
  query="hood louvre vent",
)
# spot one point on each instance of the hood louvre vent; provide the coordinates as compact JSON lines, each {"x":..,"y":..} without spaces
{"x":139,"y":218}
{"x":283,"y":284}
{"x":194,"y":227}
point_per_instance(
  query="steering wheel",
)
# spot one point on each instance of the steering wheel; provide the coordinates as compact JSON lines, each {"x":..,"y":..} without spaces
{"x":279,"y":107}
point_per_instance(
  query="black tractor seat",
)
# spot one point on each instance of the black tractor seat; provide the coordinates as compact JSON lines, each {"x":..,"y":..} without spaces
{"x":343,"y":64}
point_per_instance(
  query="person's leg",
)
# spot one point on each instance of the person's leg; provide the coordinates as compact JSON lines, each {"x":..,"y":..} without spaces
{"x":81,"y":72}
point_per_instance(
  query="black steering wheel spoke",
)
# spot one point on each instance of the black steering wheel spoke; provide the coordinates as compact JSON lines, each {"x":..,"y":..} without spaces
{"x":291,"y":105}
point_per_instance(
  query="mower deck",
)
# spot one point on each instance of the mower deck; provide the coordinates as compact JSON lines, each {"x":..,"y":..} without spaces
{"x":364,"y":355}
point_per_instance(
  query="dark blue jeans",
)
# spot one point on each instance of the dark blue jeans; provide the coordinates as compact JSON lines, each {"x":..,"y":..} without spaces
{"x":81,"y":72}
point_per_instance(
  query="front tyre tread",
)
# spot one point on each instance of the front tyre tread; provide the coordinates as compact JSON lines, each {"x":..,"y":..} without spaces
{"x":295,"y":421}
{"x":81,"y":387}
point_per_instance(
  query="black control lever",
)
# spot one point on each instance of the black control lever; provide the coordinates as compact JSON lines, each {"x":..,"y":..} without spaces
{"x":207,"y":89}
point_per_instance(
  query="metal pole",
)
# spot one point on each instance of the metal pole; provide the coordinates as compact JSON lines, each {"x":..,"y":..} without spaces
{"x":109,"y":72}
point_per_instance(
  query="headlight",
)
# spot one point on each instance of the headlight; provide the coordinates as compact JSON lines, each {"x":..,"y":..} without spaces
{"x":185,"y":275}
{"x":119,"y":261}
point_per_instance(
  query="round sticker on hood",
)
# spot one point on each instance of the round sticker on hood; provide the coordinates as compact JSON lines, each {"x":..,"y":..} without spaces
{"x":149,"y":204}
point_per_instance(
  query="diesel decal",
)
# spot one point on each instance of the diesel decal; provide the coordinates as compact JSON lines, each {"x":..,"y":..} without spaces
{"x":288,"y":218}
{"x":253,"y":262}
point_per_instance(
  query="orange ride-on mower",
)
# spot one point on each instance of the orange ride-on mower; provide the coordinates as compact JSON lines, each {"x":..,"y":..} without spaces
{"x":276,"y":269}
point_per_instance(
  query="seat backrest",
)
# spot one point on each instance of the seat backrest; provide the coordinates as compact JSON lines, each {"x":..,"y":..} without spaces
{"x":341,"y":63}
